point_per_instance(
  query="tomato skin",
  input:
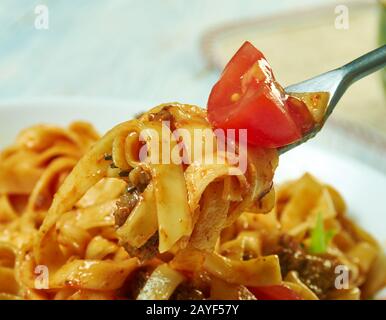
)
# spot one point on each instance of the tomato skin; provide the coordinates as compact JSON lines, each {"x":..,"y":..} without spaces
{"x":247,"y":96}
{"x":274,"y":293}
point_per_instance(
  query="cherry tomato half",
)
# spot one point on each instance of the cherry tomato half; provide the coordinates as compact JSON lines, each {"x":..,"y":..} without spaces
{"x":247,"y":96}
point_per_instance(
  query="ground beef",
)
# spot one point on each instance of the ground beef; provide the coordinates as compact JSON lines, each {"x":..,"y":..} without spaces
{"x":125,"y":204}
{"x":148,"y":251}
{"x":316,"y":271}
{"x":187,"y":291}
{"x":139,"y":180}
{"x":134,"y":283}
{"x":128,"y":200}
{"x":163,"y":115}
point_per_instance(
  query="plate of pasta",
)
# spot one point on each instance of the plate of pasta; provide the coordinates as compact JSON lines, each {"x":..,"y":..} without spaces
{"x":80,"y":221}
{"x":142,"y":201}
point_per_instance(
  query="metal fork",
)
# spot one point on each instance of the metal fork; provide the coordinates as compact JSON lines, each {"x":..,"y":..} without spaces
{"x":336,"y":82}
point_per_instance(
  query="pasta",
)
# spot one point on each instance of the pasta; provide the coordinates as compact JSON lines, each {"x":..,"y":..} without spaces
{"x":84,"y":217}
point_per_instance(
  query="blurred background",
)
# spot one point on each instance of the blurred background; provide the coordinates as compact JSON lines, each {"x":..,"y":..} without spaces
{"x":173,"y":50}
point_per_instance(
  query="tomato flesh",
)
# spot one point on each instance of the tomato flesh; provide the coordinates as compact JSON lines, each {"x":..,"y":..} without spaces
{"x":274,"y":293}
{"x":247,"y":96}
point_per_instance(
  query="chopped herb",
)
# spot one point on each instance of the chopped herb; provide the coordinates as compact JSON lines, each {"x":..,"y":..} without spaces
{"x":108,"y":157}
{"x":320,"y":238}
{"x":113,"y":166}
{"x":124,"y":173}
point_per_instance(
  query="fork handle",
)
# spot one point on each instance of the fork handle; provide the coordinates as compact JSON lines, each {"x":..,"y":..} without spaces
{"x":364,"y":65}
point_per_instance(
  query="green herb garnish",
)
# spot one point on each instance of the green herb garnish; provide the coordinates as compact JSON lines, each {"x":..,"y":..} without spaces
{"x":320,"y":238}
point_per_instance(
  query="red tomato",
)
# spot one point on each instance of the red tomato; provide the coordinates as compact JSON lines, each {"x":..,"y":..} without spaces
{"x":247,"y":96}
{"x":274,"y":293}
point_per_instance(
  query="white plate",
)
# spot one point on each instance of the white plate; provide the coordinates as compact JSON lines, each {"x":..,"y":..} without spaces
{"x":333,"y":157}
